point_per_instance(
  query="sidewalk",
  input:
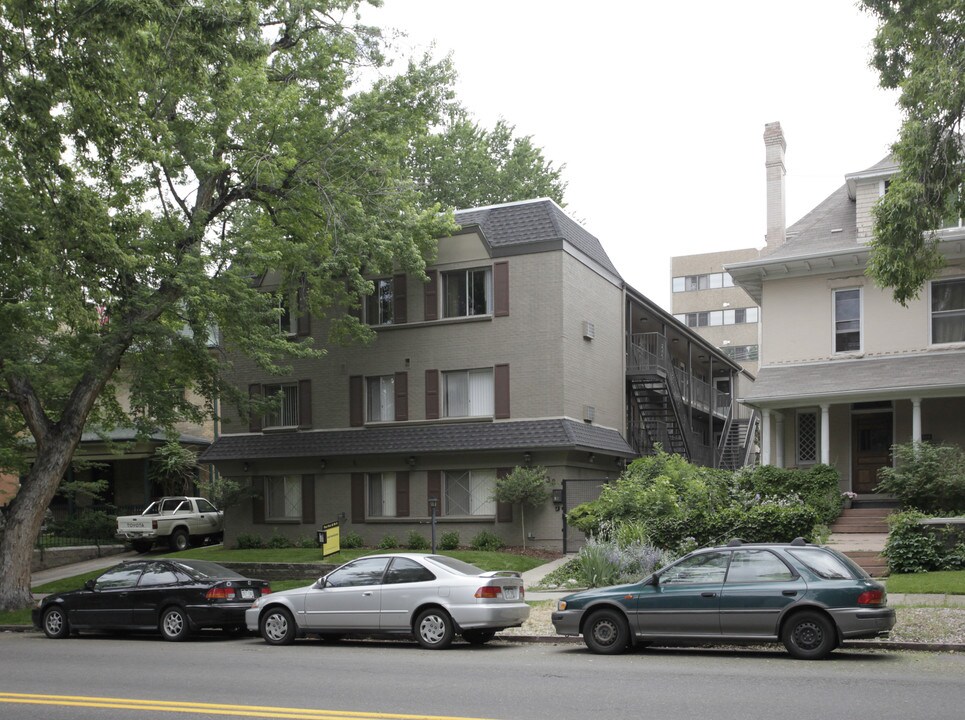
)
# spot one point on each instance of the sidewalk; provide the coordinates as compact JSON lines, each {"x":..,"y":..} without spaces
{"x":85,"y":566}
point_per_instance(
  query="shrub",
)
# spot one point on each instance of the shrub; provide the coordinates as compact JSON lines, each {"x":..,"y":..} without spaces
{"x":246,"y":541}
{"x":91,"y":524}
{"x":605,"y":562}
{"x":487,"y":541}
{"x":910,"y":548}
{"x":351,"y":540}
{"x":416,"y":541}
{"x":278,"y":542}
{"x":926,"y":477}
{"x":388,"y":543}
{"x":449,"y":541}
{"x":817,"y":487}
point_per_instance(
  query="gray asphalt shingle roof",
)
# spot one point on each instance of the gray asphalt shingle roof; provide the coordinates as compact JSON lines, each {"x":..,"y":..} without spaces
{"x":884,"y":378}
{"x":829,"y":227}
{"x":534,"y":221}
{"x":557,"y":433}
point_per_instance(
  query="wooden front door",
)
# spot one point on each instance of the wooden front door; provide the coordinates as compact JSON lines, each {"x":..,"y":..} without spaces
{"x":872,"y":437}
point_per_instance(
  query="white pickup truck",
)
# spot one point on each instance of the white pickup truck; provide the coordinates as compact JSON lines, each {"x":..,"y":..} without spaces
{"x":181,"y":521}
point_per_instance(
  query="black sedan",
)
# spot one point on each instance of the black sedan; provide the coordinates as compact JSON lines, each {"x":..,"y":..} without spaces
{"x":173,"y":596}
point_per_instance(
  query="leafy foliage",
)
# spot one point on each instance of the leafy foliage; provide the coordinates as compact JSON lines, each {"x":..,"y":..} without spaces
{"x":174,"y":467}
{"x":416,"y":541}
{"x":153,"y":164}
{"x":918,"y":51}
{"x":88,"y":524}
{"x":388,"y":542}
{"x":464,"y":165}
{"x":667,"y":501}
{"x":449,"y":540}
{"x":523,"y":486}
{"x":912,"y":547}
{"x":351,"y":541}
{"x":487,"y":541}
{"x":927,"y":477}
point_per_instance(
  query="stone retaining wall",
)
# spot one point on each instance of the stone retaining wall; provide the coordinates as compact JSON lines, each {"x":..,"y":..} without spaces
{"x":56,"y":557}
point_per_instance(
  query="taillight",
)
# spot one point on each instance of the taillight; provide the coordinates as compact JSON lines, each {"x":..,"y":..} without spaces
{"x":154,"y":524}
{"x":871,"y":597}
{"x":266,"y":589}
{"x":220,"y":592}
{"x":490,"y":592}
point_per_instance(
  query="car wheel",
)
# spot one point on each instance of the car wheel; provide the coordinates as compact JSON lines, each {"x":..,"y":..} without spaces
{"x":174,"y":624}
{"x":141,"y":546}
{"x":179,"y":540}
{"x":606,"y":632}
{"x":277,"y":626}
{"x":55,"y":623}
{"x":478,"y":637}
{"x":434,"y":629}
{"x":809,"y":636}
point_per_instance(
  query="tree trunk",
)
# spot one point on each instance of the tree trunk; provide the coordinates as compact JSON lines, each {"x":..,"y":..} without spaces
{"x":522,"y":522}
{"x":25,"y":517}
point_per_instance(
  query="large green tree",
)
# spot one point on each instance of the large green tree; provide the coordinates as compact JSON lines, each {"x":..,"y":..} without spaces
{"x":155,"y":155}
{"x":919,"y":49}
{"x":461,"y":164}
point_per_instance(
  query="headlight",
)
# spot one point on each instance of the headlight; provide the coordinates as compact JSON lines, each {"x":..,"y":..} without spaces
{"x":561,"y":605}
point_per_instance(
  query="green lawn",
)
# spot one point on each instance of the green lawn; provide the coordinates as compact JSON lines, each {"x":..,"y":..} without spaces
{"x":948,"y":582}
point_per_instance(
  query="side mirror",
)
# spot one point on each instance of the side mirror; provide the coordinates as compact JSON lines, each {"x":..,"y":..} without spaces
{"x":89,"y":585}
{"x":320,"y":583}
{"x":652,"y":580}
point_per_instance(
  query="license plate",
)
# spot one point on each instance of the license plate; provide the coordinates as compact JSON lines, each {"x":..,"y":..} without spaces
{"x":247,"y":594}
{"x":511,"y":593}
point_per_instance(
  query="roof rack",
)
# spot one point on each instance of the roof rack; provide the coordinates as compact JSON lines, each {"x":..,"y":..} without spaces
{"x":798,"y":541}
{"x":736,"y":542}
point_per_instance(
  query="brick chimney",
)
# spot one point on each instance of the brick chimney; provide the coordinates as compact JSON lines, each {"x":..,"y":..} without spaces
{"x":775,"y":146}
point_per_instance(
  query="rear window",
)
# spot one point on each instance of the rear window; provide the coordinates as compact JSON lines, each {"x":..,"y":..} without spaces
{"x":455,"y":565}
{"x":203,"y":569}
{"x":826,"y":564}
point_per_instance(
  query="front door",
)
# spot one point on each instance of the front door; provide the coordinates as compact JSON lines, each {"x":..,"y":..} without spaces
{"x":872,"y":438}
{"x":686,"y":598}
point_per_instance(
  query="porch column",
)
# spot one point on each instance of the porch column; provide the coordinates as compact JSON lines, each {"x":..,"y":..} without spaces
{"x":779,"y":460}
{"x":916,"y":420}
{"x":826,"y":434}
{"x":765,"y":437}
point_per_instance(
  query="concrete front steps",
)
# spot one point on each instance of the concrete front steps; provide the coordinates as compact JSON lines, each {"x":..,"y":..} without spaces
{"x":861,"y":533}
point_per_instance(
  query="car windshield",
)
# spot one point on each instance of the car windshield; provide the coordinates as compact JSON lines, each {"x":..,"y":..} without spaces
{"x":203,"y":569}
{"x":824,"y":564}
{"x":458,"y":566}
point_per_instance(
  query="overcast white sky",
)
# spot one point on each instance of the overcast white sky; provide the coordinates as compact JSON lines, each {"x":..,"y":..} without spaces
{"x":657,"y":109}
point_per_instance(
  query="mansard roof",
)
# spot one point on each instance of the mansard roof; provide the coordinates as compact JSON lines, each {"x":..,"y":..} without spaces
{"x":533,"y":222}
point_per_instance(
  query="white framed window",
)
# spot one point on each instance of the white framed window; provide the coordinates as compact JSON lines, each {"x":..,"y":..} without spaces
{"x":382,"y":495}
{"x":468,"y":393}
{"x":467,"y":292}
{"x":380,"y":398}
{"x":283,"y":498}
{"x":948,"y":311}
{"x":286,"y":323}
{"x":286,"y":414}
{"x":807,"y":438}
{"x":470,"y":493}
{"x":847,"y":320}
{"x":378,"y":305}
{"x":678,"y":284}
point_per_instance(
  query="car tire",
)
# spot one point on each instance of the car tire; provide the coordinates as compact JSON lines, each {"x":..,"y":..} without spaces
{"x":141,"y":546}
{"x":606,"y":632}
{"x":277,"y":626}
{"x":809,"y":635}
{"x":434,"y":629}
{"x":478,"y":637}
{"x":179,"y":540}
{"x":55,"y":623}
{"x":174,"y":624}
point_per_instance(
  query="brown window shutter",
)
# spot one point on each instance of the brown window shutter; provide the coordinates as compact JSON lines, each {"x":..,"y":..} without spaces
{"x":504,"y":510}
{"x":432,"y":295}
{"x":401,"y":396}
{"x":501,"y":289}
{"x":402,"y":494}
{"x":304,"y":404}
{"x":254,"y":418}
{"x":308,"y":499}
{"x":434,"y":489}
{"x":358,"y":497}
{"x":399,"y":306}
{"x":304,"y":323}
{"x":432,"y":394}
{"x":258,"y":501}
{"x":501,"y":383}
{"x":356,"y":401}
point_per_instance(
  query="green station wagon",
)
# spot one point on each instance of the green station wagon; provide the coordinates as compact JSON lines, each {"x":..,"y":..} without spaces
{"x":808,"y":597}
